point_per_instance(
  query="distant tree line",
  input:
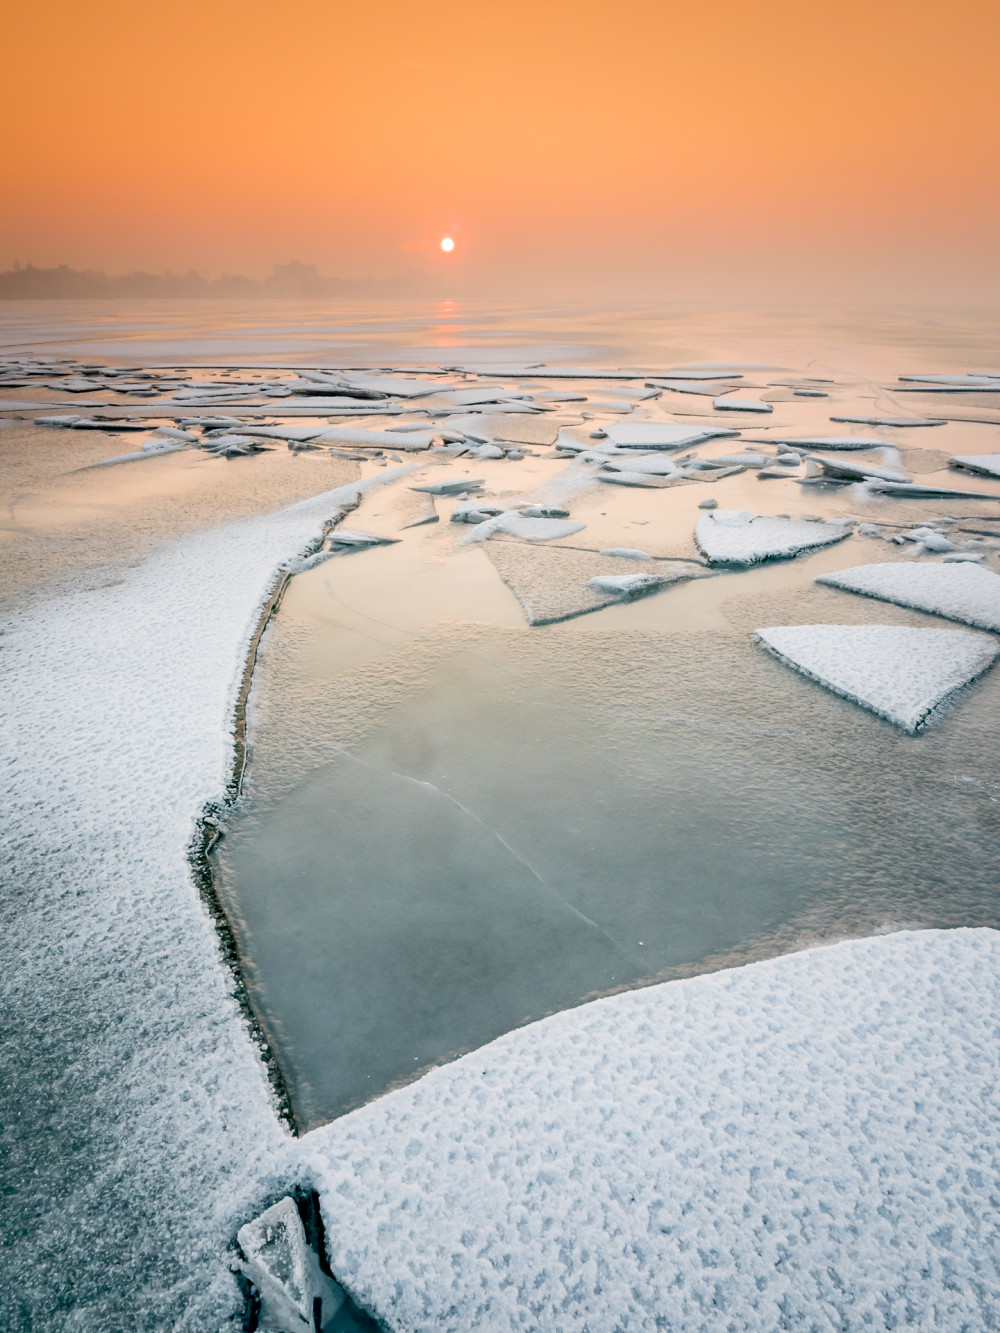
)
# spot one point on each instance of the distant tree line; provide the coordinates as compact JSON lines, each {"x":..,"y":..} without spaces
{"x":288,"y":280}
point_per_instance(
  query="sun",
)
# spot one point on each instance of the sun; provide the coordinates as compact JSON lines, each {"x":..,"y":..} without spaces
{"x":447,"y":245}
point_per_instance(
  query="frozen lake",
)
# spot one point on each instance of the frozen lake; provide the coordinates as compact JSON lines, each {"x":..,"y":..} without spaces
{"x":453,"y":822}
{"x":454,"y":827}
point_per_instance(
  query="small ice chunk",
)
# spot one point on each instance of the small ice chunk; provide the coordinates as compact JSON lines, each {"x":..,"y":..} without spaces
{"x":544,"y":511}
{"x":295,"y":1294}
{"x":900,"y":673}
{"x":626,"y":553}
{"x":61,"y":420}
{"x":964,"y":557}
{"x":708,"y":503}
{"x":811,"y":393}
{"x":486,"y":451}
{"x":958,"y":591}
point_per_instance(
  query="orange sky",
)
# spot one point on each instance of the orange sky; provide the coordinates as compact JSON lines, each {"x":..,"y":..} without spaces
{"x":641,"y":147}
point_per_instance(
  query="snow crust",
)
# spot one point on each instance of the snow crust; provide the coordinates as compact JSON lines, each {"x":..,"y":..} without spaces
{"x":738,"y":537}
{"x":902,"y":674}
{"x":964,"y":592}
{"x":144,"y":1110}
{"x":806,"y":1143}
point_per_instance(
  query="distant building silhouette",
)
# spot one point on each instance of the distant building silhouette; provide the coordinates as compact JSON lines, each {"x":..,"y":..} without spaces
{"x":288,"y":281}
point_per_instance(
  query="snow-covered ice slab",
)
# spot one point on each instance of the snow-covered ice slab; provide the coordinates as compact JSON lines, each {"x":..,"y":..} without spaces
{"x":741,"y":405}
{"x":738,"y":537}
{"x":833,"y":442}
{"x":964,"y":592}
{"x":987,"y":465}
{"x":892,"y":421}
{"x":841,"y":471}
{"x":902,"y":674}
{"x":805,"y":1143}
{"x":660,"y":434}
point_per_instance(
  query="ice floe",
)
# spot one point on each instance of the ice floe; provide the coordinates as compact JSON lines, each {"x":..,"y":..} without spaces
{"x":957,"y":591}
{"x":902,"y":674}
{"x":738,"y":537}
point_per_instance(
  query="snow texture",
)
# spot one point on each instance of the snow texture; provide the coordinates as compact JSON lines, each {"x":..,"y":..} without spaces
{"x":737,"y":537}
{"x":808,"y":1143}
{"x":902,"y":674}
{"x":956,"y":591}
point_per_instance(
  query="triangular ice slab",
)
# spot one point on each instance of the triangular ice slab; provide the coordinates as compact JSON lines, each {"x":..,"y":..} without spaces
{"x":554,"y":582}
{"x":901,"y":674}
{"x":964,"y":592}
{"x":737,"y":537}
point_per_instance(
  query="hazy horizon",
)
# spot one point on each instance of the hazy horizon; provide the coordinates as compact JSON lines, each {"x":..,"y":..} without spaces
{"x":719,"y":153}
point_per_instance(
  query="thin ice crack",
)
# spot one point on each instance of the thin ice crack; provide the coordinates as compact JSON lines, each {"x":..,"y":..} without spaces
{"x":421,"y":782}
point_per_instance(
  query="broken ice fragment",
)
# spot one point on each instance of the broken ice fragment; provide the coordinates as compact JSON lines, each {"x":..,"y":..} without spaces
{"x":901,"y":674}
{"x":626,"y":553}
{"x":296,"y":1296}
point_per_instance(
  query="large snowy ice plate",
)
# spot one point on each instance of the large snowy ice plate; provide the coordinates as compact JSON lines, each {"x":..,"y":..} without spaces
{"x":807,"y":1143}
{"x":964,"y":592}
{"x":900,"y":673}
{"x":738,"y":537}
